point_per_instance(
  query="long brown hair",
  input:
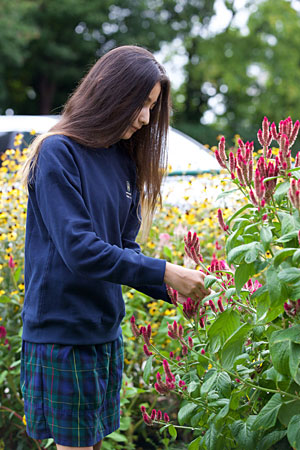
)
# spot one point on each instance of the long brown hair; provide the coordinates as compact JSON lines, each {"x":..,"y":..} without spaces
{"x":105,"y":103}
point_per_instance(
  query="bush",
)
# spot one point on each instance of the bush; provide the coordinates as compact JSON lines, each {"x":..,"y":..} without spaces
{"x":238,"y":373}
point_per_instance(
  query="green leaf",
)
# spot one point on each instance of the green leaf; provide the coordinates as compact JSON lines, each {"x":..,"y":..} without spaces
{"x":185,"y":412}
{"x":294,"y":352}
{"x":291,"y":333}
{"x":3,"y":376}
{"x":172,"y":431}
{"x":296,"y":257}
{"x":209,"y":383}
{"x":288,"y":410}
{"x":274,"y":287}
{"x":223,"y":327}
{"x":268,"y":415}
{"x":293,"y":433}
{"x":223,"y":384}
{"x":209,"y":280}
{"x":266,"y":236}
{"x":168,"y":253}
{"x":270,"y":439}
{"x":17,"y":274}
{"x":281,"y":191}
{"x":211,"y":437}
{"x":287,"y":237}
{"x":242,"y":275}
{"x":194,"y":445}
{"x":147,"y":370}
{"x":280,"y":256}
{"x":289,"y":275}
{"x":279,"y":352}
{"x":233,"y":345}
{"x":288,"y":222}
{"x":244,"y":434}
{"x":248,"y":251}
{"x":238,"y":212}
{"x":49,"y":442}
{"x":226,"y":193}
{"x":118,"y":437}
{"x":5,"y":299}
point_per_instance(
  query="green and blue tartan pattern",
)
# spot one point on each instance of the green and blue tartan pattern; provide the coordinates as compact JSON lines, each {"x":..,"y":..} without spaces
{"x":72,"y":393}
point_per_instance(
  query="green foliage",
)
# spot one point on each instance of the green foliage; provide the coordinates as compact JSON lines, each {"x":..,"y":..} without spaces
{"x":239,"y":376}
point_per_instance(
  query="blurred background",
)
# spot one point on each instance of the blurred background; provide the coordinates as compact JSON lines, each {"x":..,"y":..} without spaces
{"x":230,"y":61}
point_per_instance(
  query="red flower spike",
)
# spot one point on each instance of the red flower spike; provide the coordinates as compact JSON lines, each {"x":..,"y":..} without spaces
{"x":190,"y":341}
{"x":221,"y":147}
{"x":221,"y":220}
{"x":253,"y":198}
{"x":260,"y":137}
{"x":166,"y":417}
{"x":149,"y":330}
{"x":294,"y":133}
{"x":184,"y":350}
{"x":202,"y":322}
{"x":240,"y":176}
{"x":147,"y":419}
{"x":218,"y":158}
{"x":265,"y":217}
{"x":153,"y":414}
{"x":171,"y":355}
{"x":202,"y":351}
{"x":158,"y":415}
{"x":232,"y":162}
{"x":274,"y":133}
{"x":180,"y":331}
{"x":167,"y":369}
{"x":143,"y":409}
{"x":212,"y":306}
{"x":11,"y":263}
{"x":134,"y":328}
{"x":147,"y":351}
{"x":220,"y":305}
{"x":3,"y":332}
{"x":145,"y":336}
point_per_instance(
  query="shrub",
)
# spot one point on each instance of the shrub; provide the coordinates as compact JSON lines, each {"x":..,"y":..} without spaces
{"x":238,"y":376}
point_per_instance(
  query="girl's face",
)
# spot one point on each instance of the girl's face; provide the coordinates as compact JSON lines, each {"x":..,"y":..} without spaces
{"x":144,"y":114}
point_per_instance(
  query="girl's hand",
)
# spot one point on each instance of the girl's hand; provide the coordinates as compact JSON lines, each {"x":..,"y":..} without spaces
{"x":190,"y":283}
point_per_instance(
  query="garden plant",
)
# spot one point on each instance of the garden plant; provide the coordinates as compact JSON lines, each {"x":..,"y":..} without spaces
{"x":236,"y":369}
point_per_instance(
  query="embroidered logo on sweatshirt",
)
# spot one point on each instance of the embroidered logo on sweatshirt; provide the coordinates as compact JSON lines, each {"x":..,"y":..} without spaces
{"x":128,"y":190}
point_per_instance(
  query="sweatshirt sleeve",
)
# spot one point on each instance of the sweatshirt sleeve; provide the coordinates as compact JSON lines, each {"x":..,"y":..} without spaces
{"x":129,"y":241}
{"x":57,"y":188}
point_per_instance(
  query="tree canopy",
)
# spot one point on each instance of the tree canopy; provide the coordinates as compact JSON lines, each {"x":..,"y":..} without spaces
{"x":232,"y":77}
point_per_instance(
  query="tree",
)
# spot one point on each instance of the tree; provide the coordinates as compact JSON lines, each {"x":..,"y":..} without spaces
{"x":248,"y":75}
{"x":73,"y":33}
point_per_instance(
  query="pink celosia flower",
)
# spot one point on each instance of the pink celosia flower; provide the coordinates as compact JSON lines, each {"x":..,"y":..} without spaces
{"x":164,"y":239}
{"x":166,"y":417}
{"x":134,"y":328}
{"x":202,"y":351}
{"x":11,"y":263}
{"x":147,"y":351}
{"x":3,"y":332}
{"x":147,"y":419}
{"x":221,"y":220}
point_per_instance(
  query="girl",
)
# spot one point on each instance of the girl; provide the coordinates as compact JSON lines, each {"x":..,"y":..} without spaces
{"x":87,"y":179}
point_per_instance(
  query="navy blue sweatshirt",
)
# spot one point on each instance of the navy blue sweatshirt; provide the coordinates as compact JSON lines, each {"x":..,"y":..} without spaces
{"x":80,"y":244}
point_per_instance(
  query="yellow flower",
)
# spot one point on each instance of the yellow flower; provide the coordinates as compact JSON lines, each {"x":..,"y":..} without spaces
{"x":24,"y":420}
{"x":21,"y":286}
{"x":126,"y":361}
{"x":150,"y":244}
{"x":129,"y":294}
{"x":32,"y":132}
{"x":169,"y":312}
{"x":209,"y":366}
{"x":1,"y":279}
{"x":2,"y":292}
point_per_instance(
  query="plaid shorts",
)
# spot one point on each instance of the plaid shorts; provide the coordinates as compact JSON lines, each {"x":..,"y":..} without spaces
{"x":72,"y":393}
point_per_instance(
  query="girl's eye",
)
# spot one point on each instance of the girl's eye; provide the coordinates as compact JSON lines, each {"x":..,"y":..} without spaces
{"x":152,"y":107}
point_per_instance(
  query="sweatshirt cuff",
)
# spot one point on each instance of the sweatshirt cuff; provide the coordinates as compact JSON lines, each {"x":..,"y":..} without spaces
{"x":151,"y":271}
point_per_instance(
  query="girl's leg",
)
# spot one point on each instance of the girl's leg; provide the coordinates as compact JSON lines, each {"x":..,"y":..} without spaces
{"x":95,"y":447}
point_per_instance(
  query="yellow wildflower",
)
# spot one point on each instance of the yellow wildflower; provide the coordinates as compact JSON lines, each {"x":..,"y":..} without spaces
{"x":24,"y":420}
